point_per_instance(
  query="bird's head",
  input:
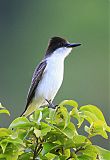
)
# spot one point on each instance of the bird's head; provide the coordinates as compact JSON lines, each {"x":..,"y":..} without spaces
{"x":60,"y":46}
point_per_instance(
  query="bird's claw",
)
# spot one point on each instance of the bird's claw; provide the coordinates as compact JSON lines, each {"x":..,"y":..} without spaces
{"x":50,"y":104}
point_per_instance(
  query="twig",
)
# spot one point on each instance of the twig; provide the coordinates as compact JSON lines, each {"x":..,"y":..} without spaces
{"x":37,"y":149}
{"x":34,"y":156}
{"x":79,"y":149}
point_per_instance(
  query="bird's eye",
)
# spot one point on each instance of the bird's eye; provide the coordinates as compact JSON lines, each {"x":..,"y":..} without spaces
{"x":61,"y":44}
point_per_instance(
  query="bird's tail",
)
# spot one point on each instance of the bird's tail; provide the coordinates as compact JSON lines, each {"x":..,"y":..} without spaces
{"x":29,"y":110}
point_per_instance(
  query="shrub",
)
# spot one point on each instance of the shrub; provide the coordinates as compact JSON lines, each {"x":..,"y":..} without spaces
{"x":51,"y":134}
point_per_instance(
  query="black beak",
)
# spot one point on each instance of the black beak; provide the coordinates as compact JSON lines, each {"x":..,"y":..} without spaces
{"x":71,"y":45}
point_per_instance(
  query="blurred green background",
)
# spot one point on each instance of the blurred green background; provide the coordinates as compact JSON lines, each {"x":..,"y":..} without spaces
{"x":25,"y":28}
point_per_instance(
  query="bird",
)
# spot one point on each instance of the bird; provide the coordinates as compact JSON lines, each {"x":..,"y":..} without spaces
{"x":48,"y":75}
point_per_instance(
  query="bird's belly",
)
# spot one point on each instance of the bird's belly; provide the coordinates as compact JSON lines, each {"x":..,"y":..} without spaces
{"x":50,"y":84}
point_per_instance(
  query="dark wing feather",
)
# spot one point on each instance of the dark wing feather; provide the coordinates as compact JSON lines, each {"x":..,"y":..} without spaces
{"x":35,"y":81}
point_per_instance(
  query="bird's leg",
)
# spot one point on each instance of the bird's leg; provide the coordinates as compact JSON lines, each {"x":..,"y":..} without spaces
{"x":50,"y":104}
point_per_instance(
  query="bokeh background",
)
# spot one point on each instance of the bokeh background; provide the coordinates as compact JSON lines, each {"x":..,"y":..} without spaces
{"x":25,"y":28}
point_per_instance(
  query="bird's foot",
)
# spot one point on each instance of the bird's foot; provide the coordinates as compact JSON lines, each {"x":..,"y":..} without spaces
{"x":50,"y":104}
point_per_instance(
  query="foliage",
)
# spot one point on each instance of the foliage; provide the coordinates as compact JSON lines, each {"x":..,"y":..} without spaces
{"x":51,"y":134}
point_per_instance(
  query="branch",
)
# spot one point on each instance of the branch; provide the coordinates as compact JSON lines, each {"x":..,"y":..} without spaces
{"x":38,"y":149}
{"x":35,"y":150}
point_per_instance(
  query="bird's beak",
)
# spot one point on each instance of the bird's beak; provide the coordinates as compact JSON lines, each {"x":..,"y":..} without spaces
{"x":71,"y":45}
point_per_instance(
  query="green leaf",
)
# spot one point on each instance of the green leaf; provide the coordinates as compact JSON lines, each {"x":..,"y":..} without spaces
{"x":3,"y":146}
{"x":81,"y":141}
{"x":94,"y":110}
{"x":11,"y":152}
{"x":87,"y":129}
{"x":63,"y":157}
{"x":97,"y":128}
{"x":2,"y":156}
{"x":66,"y":153}
{"x":62,"y":115}
{"x":50,"y":156}
{"x":69,"y":131}
{"x":45,"y":128}
{"x":14,"y":141}
{"x":107,"y":128}
{"x":3,"y":110}
{"x":95,"y":117}
{"x":68,"y":143}
{"x":21,"y":133}
{"x":43,"y":157}
{"x":48,"y":146}
{"x":103,"y":153}
{"x":36,"y":116}
{"x":55,"y":136}
{"x":10,"y":156}
{"x":56,"y":158}
{"x":45,"y":112}
{"x":100,"y":128}
{"x":20,"y":122}
{"x":25,"y":156}
{"x":69,"y":103}
{"x":4,"y":132}
{"x":90,"y":117}
{"x":1,"y":107}
{"x":74,"y":156}
{"x":37,"y":132}
{"x":85,"y":157}
{"x":90,"y":151}
{"x":76,"y":114}
{"x":51,"y":118}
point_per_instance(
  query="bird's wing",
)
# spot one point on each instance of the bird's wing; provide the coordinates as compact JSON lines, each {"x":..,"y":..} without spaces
{"x":35,"y":81}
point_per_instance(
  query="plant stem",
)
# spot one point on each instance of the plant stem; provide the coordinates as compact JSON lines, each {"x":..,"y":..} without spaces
{"x":79,"y":149}
{"x":38,"y":149}
{"x":35,"y":152}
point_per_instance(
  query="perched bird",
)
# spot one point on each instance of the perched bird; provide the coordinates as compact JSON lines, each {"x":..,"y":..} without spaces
{"x":48,"y":75}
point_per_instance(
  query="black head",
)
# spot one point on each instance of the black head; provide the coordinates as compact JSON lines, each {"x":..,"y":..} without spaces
{"x":58,"y":42}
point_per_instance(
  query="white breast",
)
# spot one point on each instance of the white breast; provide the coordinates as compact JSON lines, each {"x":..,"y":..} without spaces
{"x":52,"y":79}
{"x":53,"y":75}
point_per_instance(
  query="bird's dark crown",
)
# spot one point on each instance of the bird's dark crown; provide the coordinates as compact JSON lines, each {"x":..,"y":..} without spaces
{"x":55,"y":43}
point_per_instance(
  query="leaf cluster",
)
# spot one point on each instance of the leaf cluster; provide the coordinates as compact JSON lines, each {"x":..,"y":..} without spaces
{"x":51,"y":134}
